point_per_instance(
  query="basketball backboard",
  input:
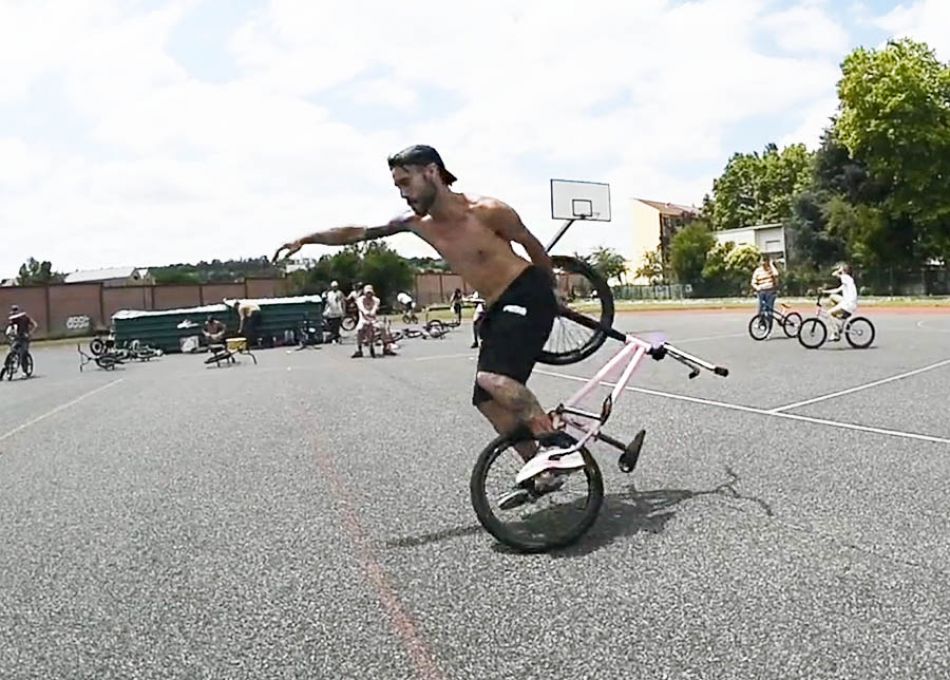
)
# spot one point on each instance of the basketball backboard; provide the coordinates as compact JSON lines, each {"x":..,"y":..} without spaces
{"x":573,"y":200}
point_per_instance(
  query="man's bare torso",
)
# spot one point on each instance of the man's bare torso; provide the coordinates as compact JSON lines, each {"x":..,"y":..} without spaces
{"x":472,"y":248}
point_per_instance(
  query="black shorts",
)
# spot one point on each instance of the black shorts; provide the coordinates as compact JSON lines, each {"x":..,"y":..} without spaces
{"x":514,"y":329}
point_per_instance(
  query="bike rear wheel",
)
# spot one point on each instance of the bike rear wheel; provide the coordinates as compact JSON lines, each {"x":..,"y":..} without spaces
{"x":10,"y":366}
{"x":546,"y":521}
{"x":581,"y":327}
{"x":792,"y":324}
{"x":28,"y":365}
{"x":813,"y":333}
{"x":859,"y":332}
{"x":349,"y":323}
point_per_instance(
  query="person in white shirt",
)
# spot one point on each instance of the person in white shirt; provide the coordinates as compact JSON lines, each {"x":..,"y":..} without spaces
{"x":367,"y":305}
{"x":406,"y":301}
{"x":333,"y":311}
{"x":844,"y":297}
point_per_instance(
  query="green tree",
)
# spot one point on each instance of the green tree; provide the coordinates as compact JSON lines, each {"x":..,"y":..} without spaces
{"x":387,"y":271}
{"x":894,"y":115}
{"x":608,"y":263}
{"x":35,"y":273}
{"x":652,"y":268}
{"x":688,"y":251}
{"x":758,"y":189}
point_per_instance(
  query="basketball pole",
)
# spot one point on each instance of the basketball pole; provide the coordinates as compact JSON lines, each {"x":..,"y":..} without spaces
{"x":559,"y":234}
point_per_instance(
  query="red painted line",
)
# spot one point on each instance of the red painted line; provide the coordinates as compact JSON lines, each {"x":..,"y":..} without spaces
{"x":400,"y":620}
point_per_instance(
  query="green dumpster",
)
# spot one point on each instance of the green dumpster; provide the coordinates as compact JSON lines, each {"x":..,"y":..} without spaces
{"x":171,"y":329}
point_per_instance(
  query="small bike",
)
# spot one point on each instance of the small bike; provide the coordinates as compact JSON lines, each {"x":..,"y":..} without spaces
{"x":760,"y":325}
{"x":12,"y":363}
{"x":857,"y":330}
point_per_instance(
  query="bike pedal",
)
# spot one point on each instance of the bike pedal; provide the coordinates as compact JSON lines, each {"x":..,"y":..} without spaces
{"x":628,"y":459}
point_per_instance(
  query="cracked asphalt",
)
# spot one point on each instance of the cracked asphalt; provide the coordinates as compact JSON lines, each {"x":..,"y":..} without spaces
{"x":309,"y":517}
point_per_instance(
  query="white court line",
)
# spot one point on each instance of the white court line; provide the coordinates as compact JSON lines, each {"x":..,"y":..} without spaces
{"x":761,"y":412}
{"x":444,"y":356}
{"x":883,"y":381}
{"x":920,"y":324}
{"x":59,"y":408}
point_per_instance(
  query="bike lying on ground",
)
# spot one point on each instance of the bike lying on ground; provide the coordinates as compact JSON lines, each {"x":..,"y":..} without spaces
{"x":857,"y":330}
{"x":505,"y":492}
{"x":760,"y":325}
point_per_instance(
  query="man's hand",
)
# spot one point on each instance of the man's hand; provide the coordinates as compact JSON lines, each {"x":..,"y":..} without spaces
{"x":291,"y":248}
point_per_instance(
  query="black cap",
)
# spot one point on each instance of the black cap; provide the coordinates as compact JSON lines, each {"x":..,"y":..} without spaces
{"x":421,"y":154}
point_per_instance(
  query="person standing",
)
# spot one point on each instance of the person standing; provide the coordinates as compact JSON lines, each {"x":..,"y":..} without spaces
{"x":333,"y":311}
{"x":765,"y":284}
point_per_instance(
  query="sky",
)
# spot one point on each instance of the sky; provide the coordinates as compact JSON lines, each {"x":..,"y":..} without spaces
{"x":142,"y":133}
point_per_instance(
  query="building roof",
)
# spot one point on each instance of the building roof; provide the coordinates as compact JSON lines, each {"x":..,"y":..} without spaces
{"x":671,"y":208}
{"x":93,"y":275}
{"x":751,"y":227}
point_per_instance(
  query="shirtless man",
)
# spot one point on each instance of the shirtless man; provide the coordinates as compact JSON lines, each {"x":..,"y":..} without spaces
{"x":474,"y":234}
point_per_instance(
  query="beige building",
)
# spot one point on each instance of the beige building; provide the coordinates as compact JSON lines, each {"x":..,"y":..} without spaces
{"x":767,"y":238}
{"x":654,"y":226}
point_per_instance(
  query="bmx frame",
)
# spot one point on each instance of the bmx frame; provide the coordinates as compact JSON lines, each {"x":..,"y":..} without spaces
{"x":590,"y":423}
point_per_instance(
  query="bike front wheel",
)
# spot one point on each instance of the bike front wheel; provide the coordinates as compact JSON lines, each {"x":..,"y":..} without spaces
{"x":523,"y":518}
{"x":28,"y":365}
{"x":583,"y":323}
{"x":348,"y":324}
{"x":813,"y":333}
{"x":859,"y":332}
{"x":760,"y":326}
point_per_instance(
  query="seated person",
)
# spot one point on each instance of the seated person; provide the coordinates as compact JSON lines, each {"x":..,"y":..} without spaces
{"x":214,"y":331}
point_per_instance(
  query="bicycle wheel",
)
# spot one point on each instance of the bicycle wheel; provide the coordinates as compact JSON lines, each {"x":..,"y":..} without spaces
{"x":10,"y":365}
{"x":813,"y":333}
{"x":581,"y":326}
{"x":791,"y":324}
{"x":859,"y":332}
{"x":97,"y":346}
{"x":349,"y":323}
{"x":545,"y":521}
{"x":28,"y":365}
{"x":760,"y":327}
{"x":435,"y":328}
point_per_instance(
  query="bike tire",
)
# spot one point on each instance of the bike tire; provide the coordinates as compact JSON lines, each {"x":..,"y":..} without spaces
{"x":760,"y":327}
{"x":28,"y":365}
{"x":866,"y":333}
{"x":567,"y":527}
{"x":810,"y":329}
{"x":349,"y":323}
{"x":10,"y":366}
{"x":97,"y":346}
{"x":792,"y":324}
{"x":587,"y":331}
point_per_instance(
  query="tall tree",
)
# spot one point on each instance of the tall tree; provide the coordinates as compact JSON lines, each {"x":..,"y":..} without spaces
{"x":895,"y":116}
{"x":36,"y":273}
{"x":688,"y":251}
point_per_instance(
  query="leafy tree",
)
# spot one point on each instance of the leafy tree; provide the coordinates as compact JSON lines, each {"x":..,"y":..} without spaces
{"x":688,"y":251}
{"x":758,"y":189}
{"x":35,"y":273}
{"x":895,"y":117}
{"x":729,"y":267}
{"x":607,"y":262}
{"x":652,"y":268}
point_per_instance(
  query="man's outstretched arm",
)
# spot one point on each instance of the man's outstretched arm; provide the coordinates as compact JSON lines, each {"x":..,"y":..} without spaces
{"x":344,"y":236}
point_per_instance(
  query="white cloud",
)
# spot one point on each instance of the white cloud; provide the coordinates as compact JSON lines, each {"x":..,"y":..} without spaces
{"x":178,"y":169}
{"x":926,"y":20}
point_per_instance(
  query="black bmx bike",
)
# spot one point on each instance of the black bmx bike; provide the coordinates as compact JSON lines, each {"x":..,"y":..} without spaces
{"x":761,"y":325}
{"x":537,"y":494}
{"x":16,"y":361}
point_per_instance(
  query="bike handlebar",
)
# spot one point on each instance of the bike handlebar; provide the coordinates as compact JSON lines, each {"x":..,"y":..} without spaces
{"x":659,"y":352}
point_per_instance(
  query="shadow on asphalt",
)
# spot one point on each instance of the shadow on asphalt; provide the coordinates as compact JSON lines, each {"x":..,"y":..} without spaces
{"x":623,"y":514}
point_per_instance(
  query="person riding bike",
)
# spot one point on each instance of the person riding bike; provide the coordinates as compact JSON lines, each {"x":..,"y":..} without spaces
{"x":22,"y":327}
{"x":408,"y":304}
{"x":474,"y":235}
{"x":844,"y":297}
{"x":765,"y":284}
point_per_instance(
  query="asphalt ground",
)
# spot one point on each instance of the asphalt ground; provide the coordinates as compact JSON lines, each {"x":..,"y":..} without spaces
{"x":309,"y":517}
